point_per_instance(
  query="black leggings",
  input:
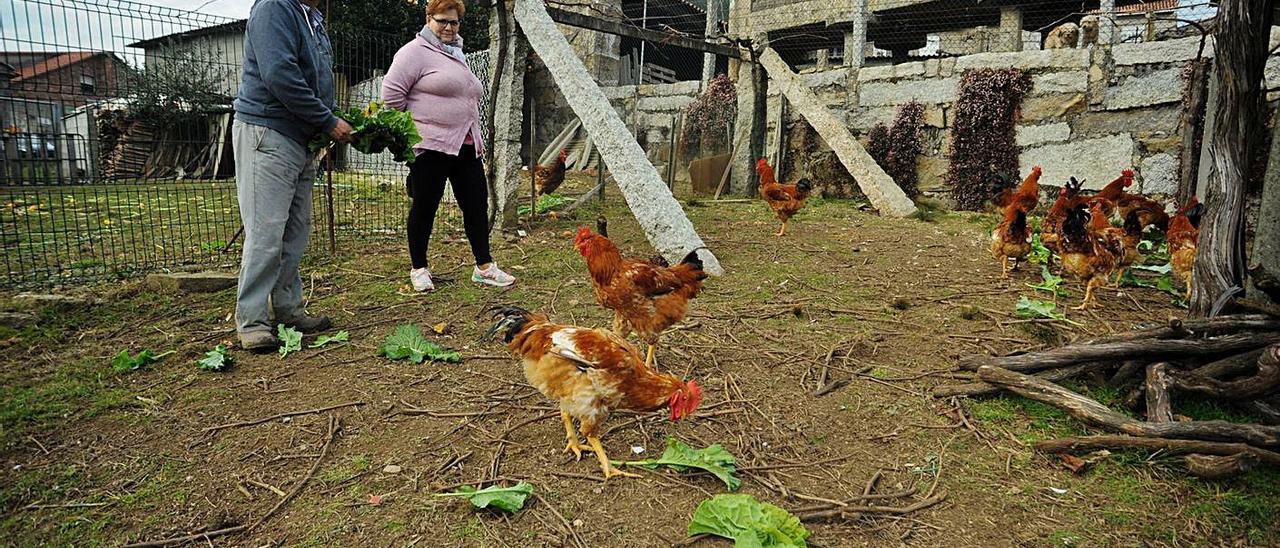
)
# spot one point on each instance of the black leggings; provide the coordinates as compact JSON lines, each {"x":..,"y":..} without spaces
{"x":426,"y":181}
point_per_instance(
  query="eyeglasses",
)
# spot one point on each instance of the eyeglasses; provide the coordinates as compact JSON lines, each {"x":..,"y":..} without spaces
{"x":447,"y":22}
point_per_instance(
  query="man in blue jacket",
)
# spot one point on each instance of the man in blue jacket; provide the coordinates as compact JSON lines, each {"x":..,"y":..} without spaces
{"x":286,"y":98}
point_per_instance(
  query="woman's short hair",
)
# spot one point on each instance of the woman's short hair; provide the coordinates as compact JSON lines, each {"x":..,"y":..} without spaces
{"x":436,"y":7}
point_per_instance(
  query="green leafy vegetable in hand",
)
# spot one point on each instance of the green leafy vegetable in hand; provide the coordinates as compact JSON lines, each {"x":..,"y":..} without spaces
{"x":1035,"y":308}
{"x":680,"y":456}
{"x":507,"y":499}
{"x":750,"y":523}
{"x":322,"y":340}
{"x":290,"y":340}
{"x":407,"y":342}
{"x":374,"y":129}
{"x":215,"y":360}
{"x":122,"y":363}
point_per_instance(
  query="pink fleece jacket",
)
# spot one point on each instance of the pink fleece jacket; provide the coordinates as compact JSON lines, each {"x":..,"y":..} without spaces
{"x":441,"y":93}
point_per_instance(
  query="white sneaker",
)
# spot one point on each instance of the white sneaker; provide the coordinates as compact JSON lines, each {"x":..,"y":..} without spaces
{"x":421,"y":278}
{"x":492,"y":276}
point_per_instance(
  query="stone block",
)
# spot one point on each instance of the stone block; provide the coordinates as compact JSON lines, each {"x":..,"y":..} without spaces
{"x":1076,"y":81}
{"x":947,"y":67}
{"x":671,"y":103}
{"x":1167,"y":51}
{"x":1035,"y":109}
{"x":865,"y":118}
{"x":827,"y":78}
{"x":1027,"y":60}
{"x":1159,"y":87}
{"x":1159,"y":175}
{"x":1043,"y":133}
{"x":38,"y":300}
{"x":191,"y":282}
{"x":1148,"y":120}
{"x":870,"y":74}
{"x":933,"y":90}
{"x":1094,"y":161}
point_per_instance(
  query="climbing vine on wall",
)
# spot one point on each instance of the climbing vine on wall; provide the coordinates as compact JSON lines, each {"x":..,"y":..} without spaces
{"x":897,"y":149}
{"x":707,"y":118}
{"x":984,"y":149}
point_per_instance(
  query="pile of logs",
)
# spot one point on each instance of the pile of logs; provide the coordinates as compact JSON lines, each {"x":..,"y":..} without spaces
{"x":1232,"y":358}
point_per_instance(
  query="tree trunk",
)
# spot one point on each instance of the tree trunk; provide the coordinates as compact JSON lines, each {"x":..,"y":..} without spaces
{"x":1159,"y":406}
{"x":1241,"y":46}
{"x":759,"y":119}
{"x":1266,"y":382}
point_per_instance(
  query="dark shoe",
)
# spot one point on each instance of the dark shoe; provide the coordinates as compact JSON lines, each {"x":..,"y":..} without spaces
{"x":259,"y":342}
{"x":307,"y":323}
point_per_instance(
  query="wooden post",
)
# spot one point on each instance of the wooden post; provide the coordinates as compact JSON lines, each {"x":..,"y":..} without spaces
{"x":671,"y":153}
{"x":328,"y":191}
{"x":533,"y":163}
{"x":1241,"y":44}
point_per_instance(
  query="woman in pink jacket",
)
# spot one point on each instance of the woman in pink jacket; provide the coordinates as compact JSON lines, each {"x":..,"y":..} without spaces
{"x":430,"y":79}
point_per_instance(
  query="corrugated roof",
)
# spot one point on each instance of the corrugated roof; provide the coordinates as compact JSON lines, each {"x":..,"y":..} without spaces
{"x":232,"y":26}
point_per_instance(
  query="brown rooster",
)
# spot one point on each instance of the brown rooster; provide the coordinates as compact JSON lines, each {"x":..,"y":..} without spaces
{"x":546,"y":179}
{"x":644,"y":297}
{"x":1051,"y":225}
{"x":1183,"y":234}
{"x":1090,"y":248}
{"x":590,"y":372}
{"x":785,"y":199}
{"x":1114,"y":191}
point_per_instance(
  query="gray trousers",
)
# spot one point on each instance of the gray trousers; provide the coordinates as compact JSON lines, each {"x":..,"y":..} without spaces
{"x":274,"y":175}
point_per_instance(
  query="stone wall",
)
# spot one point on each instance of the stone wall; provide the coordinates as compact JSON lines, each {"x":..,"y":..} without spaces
{"x":1090,"y":114}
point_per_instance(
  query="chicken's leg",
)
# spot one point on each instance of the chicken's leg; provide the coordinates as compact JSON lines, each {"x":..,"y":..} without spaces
{"x":1089,"y":298}
{"x":609,"y":470}
{"x":1004,"y":267}
{"x":783,"y":231}
{"x":650,"y":359}
{"x":572,"y":435}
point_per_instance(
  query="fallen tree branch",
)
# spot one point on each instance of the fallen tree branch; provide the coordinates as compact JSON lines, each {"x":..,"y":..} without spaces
{"x":1231,"y":366}
{"x":985,"y":389}
{"x":1099,"y":415}
{"x":1146,"y":349}
{"x":1182,"y":329}
{"x":213,"y":429}
{"x":1264,"y":383}
{"x":854,"y":511}
{"x":1217,"y":467}
{"x":1166,"y":446}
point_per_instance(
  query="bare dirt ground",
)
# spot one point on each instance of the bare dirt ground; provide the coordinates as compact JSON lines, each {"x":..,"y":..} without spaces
{"x":92,"y":457}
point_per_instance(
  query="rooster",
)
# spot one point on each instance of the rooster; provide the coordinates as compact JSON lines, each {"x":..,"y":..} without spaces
{"x":1184,"y":232}
{"x":644,"y":297}
{"x":1130,"y":236}
{"x":548,"y":178}
{"x":1051,"y":225}
{"x":1149,"y":212}
{"x":1090,"y":248}
{"x":1114,"y":191}
{"x":1027,"y":197}
{"x":590,"y":372}
{"x":602,"y":228}
{"x":785,"y":199}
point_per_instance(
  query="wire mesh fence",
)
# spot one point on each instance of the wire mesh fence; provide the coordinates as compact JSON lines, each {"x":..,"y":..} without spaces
{"x":117,"y":157}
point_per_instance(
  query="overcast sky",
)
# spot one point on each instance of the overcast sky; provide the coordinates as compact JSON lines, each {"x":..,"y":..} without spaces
{"x":110,"y":25}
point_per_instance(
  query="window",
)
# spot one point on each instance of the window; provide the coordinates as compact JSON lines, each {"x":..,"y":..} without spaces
{"x":88,"y":84}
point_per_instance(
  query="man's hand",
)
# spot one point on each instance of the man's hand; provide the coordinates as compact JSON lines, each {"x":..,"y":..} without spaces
{"x":341,"y":132}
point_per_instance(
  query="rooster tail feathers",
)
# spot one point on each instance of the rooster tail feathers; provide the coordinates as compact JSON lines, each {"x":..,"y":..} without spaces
{"x":695,"y":264}
{"x":804,"y":185}
{"x":510,"y":320}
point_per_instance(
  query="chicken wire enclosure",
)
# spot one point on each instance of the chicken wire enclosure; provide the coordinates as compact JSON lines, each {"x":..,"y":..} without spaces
{"x":116,"y":156}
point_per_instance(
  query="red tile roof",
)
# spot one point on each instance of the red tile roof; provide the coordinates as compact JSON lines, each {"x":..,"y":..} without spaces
{"x":53,"y":63}
{"x":1143,"y":7}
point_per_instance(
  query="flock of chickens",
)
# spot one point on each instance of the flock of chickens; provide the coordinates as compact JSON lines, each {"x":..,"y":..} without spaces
{"x":1078,"y":228}
{"x":593,"y":371}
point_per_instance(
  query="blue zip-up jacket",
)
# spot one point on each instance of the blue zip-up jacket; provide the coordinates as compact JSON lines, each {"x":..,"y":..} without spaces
{"x":287,"y":80}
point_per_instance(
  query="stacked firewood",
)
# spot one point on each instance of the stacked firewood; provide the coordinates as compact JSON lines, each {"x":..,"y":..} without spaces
{"x":1232,"y":358}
